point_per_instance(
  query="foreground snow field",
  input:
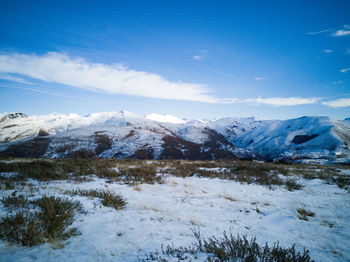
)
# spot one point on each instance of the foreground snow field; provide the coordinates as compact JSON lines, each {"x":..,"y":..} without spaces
{"x":165,"y":214}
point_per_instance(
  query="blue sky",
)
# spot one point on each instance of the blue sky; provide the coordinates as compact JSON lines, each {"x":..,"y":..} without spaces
{"x":194,"y":59}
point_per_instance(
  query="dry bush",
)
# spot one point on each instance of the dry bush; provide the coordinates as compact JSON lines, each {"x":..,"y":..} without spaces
{"x":46,"y":219}
{"x":15,"y":202}
{"x":230,"y":248}
{"x":142,"y":174}
{"x":303,"y":214}
{"x":133,"y":171}
{"x":108,"y":199}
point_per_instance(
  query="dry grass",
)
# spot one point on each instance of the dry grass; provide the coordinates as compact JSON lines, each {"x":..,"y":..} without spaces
{"x":134,"y":172}
{"x":304,"y":214}
{"x":45,"y":219}
{"x":229,"y":248}
{"x":108,"y":199}
{"x":15,"y":202}
{"x":137,"y":188}
{"x":230,"y":198}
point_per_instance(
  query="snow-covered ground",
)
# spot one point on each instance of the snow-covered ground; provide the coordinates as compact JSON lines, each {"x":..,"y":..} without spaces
{"x":165,"y":213}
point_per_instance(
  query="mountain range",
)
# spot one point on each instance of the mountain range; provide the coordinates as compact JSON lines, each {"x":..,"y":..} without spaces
{"x":127,"y":135}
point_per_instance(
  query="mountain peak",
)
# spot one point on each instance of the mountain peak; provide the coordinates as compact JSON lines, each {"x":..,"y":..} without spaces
{"x":12,"y":115}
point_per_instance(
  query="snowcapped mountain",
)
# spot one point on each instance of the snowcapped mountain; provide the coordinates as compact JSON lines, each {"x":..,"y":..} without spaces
{"x":127,"y":135}
{"x":305,"y":137}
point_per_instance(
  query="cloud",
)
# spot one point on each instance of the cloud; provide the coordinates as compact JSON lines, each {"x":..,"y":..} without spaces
{"x":221,"y":73}
{"x":342,"y":102}
{"x":337,"y":82}
{"x":38,"y":90}
{"x":16,"y":79}
{"x":328,"y":51}
{"x":341,"y":32}
{"x":165,"y":118}
{"x":118,"y":79}
{"x":259,"y":78}
{"x":197,"y":57}
{"x":345,"y":70}
{"x":320,"y":32}
{"x":283,"y":101}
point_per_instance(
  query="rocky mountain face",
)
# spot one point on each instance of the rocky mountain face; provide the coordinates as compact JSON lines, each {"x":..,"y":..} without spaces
{"x":126,"y":135}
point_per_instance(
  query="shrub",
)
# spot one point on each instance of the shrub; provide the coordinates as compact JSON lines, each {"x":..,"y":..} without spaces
{"x":113,"y":200}
{"x":49,"y":223}
{"x":42,"y":170}
{"x":57,"y":215}
{"x":24,"y":228}
{"x":342,"y":181}
{"x":303,"y":214}
{"x":137,"y":171}
{"x":291,"y":185}
{"x":143,"y":174}
{"x":231,"y":248}
{"x":15,"y":201}
{"x":9,"y":182}
{"x":108,"y":199}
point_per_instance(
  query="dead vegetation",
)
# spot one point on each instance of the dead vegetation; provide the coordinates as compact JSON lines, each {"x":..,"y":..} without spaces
{"x":229,"y":248}
{"x":49,"y":219}
{"x":136,"y":172}
{"x":304,"y":214}
{"x":108,"y":199}
{"x":45,"y":219}
{"x":103,"y":142}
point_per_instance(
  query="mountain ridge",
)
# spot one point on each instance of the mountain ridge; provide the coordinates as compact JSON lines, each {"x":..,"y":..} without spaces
{"x":127,"y":135}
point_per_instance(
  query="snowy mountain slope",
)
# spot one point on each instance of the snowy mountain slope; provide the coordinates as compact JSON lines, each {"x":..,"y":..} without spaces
{"x":16,"y":127}
{"x":305,"y":137}
{"x":236,"y":127}
{"x":116,"y":134}
{"x":124,"y":134}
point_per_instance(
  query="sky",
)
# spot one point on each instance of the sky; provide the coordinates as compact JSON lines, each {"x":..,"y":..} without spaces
{"x":191,"y":59}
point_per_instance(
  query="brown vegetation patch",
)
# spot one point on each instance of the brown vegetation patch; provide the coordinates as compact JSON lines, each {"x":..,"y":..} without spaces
{"x":144,"y":153}
{"x":103,"y":141}
{"x":42,"y":132}
{"x":130,"y":134}
{"x":33,"y":148}
{"x":9,"y":126}
{"x":49,"y":222}
{"x":82,"y":153}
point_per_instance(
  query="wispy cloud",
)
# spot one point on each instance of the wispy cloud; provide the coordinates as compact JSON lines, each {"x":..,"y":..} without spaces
{"x":328,"y":51}
{"x":341,"y":32}
{"x":221,"y":73}
{"x":37,"y":90}
{"x":337,"y":82}
{"x":197,"y":57}
{"x":342,"y":102}
{"x":78,"y":72}
{"x":283,"y":101}
{"x":258,"y":78}
{"x":12,"y":78}
{"x":345,"y":30}
{"x":320,"y":32}
{"x":344,"y":70}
